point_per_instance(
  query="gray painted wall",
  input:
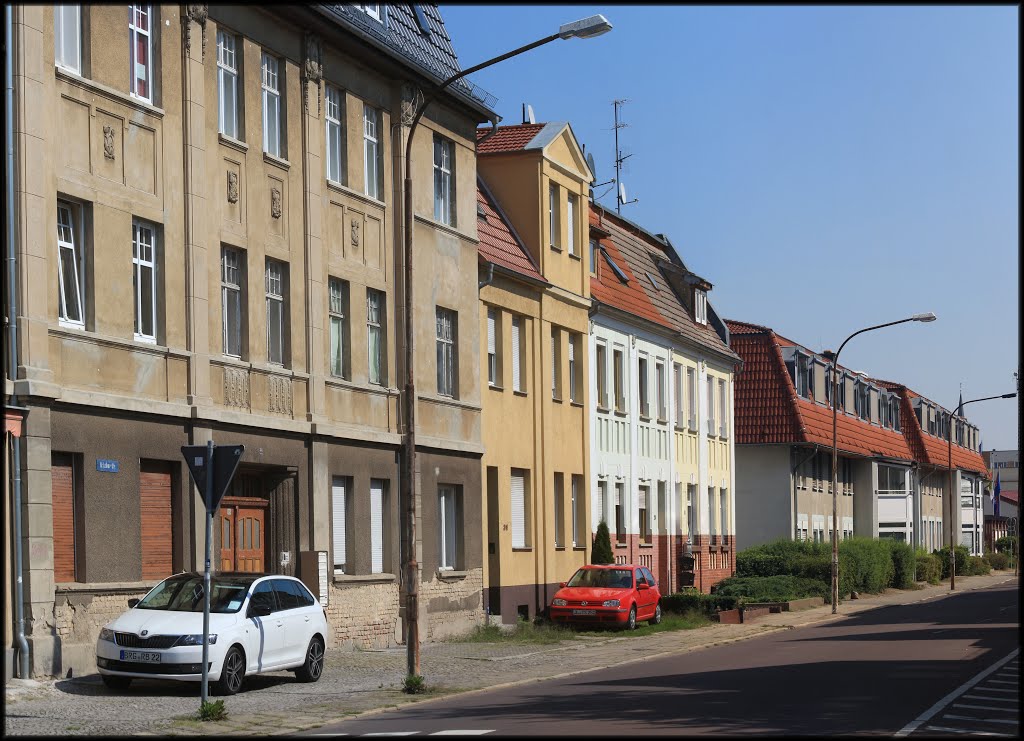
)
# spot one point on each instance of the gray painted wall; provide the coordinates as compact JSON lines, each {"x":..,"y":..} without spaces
{"x":764,"y":494}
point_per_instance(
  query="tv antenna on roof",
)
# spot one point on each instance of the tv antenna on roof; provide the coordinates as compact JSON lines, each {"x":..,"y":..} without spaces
{"x":593,"y":171}
{"x":620,"y":200}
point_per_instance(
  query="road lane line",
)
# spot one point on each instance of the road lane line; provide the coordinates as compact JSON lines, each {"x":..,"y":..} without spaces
{"x":1000,"y":689}
{"x":962,"y":730}
{"x":983,"y":707}
{"x":1002,"y":681}
{"x":391,"y":733}
{"x":934,"y":709}
{"x":981,"y":720}
{"x":461,"y":732}
{"x":991,"y":699}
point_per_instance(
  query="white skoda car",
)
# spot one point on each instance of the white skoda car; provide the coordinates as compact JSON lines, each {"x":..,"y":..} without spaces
{"x":257,"y":624}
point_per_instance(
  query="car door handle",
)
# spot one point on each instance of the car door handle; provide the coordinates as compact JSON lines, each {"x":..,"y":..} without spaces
{"x":307,"y":618}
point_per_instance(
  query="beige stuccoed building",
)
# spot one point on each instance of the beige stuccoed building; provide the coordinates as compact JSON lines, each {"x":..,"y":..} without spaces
{"x":534,"y":302}
{"x":208,"y":213}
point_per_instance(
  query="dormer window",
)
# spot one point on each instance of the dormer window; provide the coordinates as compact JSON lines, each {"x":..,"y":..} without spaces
{"x":801,"y":370}
{"x":894,"y":411}
{"x":700,"y":306}
{"x":373,"y":11}
{"x":864,"y":392}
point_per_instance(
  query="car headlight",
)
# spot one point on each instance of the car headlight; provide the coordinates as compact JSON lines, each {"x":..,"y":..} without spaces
{"x":106,"y":634}
{"x":559,"y":602}
{"x":610,"y":603}
{"x":196,"y":639}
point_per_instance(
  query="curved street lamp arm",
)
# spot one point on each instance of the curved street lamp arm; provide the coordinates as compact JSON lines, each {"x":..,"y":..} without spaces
{"x":835,"y":359}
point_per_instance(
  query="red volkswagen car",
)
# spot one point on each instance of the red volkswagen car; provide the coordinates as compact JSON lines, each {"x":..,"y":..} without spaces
{"x":619,"y":594}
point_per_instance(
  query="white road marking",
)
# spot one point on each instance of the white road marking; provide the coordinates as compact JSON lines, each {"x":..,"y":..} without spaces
{"x":934,"y":709}
{"x":983,"y":707}
{"x":1001,"y":681}
{"x":963,"y":730}
{"x":392,"y":733}
{"x":981,"y":720}
{"x":461,"y":732}
{"x":1000,"y":689}
{"x":990,"y":699}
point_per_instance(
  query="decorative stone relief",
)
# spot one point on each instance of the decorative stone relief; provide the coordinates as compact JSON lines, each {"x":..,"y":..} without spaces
{"x":236,"y":388}
{"x":275,"y":203}
{"x":312,"y":70}
{"x":197,"y":14}
{"x":108,"y":142}
{"x":279,"y":395}
{"x":232,"y":187}
{"x":355,"y":233}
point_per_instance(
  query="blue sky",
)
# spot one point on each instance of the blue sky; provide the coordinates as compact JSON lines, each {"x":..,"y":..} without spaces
{"x":826,"y":168}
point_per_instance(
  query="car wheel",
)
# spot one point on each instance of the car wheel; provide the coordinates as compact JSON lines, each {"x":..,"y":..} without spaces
{"x":631,"y":624}
{"x":314,"y":666}
{"x":232,"y":673}
{"x":657,"y":616}
{"x":116,"y":683}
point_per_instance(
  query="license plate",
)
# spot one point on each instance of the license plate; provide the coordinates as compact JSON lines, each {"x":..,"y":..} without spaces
{"x":147,"y":657}
{"x":584,"y":612}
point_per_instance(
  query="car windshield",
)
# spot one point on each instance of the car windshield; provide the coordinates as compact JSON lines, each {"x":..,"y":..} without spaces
{"x":184,"y":593}
{"x":607,"y":578}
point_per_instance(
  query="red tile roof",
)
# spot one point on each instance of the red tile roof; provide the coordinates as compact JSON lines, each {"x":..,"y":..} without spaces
{"x":508,"y":139}
{"x":1009,"y":496}
{"x":498,"y":242}
{"x":606,"y":288}
{"x":929,"y":448}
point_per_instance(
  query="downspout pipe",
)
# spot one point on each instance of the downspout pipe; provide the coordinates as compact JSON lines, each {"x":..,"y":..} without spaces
{"x":490,"y":277}
{"x":12,"y":329}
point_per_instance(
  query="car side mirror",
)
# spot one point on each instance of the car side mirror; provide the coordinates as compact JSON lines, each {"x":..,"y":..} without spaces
{"x":259,"y":611}
{"x":643,"y":586}
{"x":133,"y":601}
{"x":561,"y":585}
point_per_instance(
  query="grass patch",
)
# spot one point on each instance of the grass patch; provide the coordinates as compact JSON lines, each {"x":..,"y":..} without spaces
{"x":523,"y":632}
{"x":414,"y":684}
{"x":669,"y":621}
{"x":212,"y":711}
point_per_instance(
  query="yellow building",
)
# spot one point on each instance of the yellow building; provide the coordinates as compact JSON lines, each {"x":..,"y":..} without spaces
{"x":534,"y":301}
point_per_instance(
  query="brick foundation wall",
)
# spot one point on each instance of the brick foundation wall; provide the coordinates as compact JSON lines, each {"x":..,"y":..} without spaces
{"x":363,"y":615}
{"x":77,"y":619}
{"x":454,"y":605}
{"x":724,"y":549}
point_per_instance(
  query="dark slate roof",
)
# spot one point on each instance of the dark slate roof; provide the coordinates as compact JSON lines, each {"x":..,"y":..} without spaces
{"x":400,"y":34}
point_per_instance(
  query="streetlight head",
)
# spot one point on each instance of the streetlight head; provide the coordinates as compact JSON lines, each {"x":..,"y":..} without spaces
{"x":1009,"y":396}
{"x":926,"y":317}
{"x":586,"y":28}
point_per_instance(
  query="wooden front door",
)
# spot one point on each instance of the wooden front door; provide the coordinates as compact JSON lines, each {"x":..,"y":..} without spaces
{"x":243,"y":534}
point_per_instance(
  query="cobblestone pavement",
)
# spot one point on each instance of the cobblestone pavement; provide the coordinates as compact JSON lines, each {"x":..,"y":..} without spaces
{"x":359,"y":681}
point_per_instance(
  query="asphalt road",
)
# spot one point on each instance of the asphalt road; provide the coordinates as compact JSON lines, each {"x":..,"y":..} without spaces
{"x":877,"y":673}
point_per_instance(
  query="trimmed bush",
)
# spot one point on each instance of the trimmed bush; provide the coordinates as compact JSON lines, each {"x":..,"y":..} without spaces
{"x":961,"y":560}
{"x":904,"y":564}
{"x":705,"y":604}
{"x":997,"y":561}
{"x":602,"y":550}
{"x":977,"y":566}
{"x":1006,"y":544}
{"x":929,"y":568}
{"x":780,"y":588}
{"x":867,"y":566}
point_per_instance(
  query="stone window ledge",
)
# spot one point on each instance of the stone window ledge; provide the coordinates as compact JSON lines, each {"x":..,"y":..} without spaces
{"x":451,"y":574}
{"x":356,"y":579}
{"x":117,"y":587}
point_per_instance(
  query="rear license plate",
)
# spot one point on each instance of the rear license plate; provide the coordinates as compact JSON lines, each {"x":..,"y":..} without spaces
{"x":147,"y":657}
{"x":584,"y":612}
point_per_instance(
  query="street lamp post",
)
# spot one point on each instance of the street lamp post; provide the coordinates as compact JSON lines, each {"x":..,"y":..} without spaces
{"x":949,"y":462}
{"x":584,"y":29}
{"x":928,"y":317}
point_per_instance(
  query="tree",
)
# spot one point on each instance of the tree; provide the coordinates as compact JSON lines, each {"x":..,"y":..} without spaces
{"x":602,"y":551}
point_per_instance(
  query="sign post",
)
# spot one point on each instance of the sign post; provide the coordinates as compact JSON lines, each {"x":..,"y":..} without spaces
{"x":212,"y":469}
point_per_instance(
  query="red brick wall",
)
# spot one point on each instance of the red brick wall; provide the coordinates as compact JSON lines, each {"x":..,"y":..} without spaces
{"x":662,"y":558}
{"x":723,"y":552}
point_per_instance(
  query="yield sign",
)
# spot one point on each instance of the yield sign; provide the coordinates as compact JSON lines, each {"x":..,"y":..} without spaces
{"x":225,"y":462}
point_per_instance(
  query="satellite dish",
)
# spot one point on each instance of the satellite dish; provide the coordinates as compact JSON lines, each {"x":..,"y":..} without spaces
{"x":590,"y":164}
{"x":528,"y":113}
{"x":622,"y":192}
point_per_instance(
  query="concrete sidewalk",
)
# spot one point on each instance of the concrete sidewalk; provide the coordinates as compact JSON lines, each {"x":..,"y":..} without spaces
{"x":355,"y":682}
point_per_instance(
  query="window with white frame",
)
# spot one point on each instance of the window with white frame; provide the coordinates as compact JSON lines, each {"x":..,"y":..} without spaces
{"x":570,"y":223}
{"x":373,"y":11}
{"x":449,"y":510}
{"x":443,"y":183}
{"x":373,"y":166}
{"x":818,"y":531}
{"x":556,"y":363}
{"x":275,"y":281}
{"x":677,"y":390}
{"x":700,"y":306}
{"x":593,"y":256}
{"x":447,"y":339}
{"x":271,"y":106}
{"x":723,"y":509}
{"x":709,"y":406}
{"x":691,"y":398}
{"x":227,"y":85}
{"x":618,"y":379}
{"x":712,"y":514}
{"x":518,"y":355}
{"x":377,"y":370}
{"x":559,"y":502}
{"x":553,"y":227}
{"x":601,"y":363}
{"x":141,"y":41}
{"x":337,"y":311}
{"x":340,"y":521}
{"x":67,"y":37}
{"x":70,"y":265}
{"x":602,"y":502}
{"x":659,"y":390}
{"x":577,"y":511}
{"x":144,"y":280}
{"x":692,"y":513}
{"x":492,"y":347}
{"x":231,"y":301}
{"x":520,"y":510}
{"x":620,"y":512}
{"x":643,"y":393}
{"x":801,"y":527}
{"x":575,"y":374}
{"x":643,"y":510}
{"x":723,"y":404}
{"x":335,"y":117}
{"x":378,"y":525}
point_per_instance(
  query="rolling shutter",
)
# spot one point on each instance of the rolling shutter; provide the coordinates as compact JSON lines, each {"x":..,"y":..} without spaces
{"x":157,"y":519}
{"x":554,"y":364}
{"x":339,"y":497}
{"x":62,"y":475}
{"x":376,"y":526}
{"x":490,"y":332}
{"x":517,"y":376}
{"x":643,"y":497}
{"x":518,"y":510}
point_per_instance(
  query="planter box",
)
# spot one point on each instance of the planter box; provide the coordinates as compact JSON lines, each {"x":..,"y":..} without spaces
{"x":804,"y":604}
{"x":751,"y":612}
{"x":729,"y":617}
{"x":768,"y":606}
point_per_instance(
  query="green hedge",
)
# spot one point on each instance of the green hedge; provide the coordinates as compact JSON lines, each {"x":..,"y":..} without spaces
{"x":929,"y":568}
{"x":705,"y":604}
{"x":1007,"y":544}
{"x":780,"y":588}
{"x":961,"y":560}
{"x":997,"y":561}
{"x":904,"y":564}
{"x":977,"y":566}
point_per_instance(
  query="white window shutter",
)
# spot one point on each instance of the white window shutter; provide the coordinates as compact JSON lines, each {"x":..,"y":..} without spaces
{"x":376,"y":527}
{"x":554,"y":363}
{"x":518,"y":511}
{"x":339,"y":495}
{"x":516,"y":370}
{"x":490,"y":331}
{"x":643,"y":497}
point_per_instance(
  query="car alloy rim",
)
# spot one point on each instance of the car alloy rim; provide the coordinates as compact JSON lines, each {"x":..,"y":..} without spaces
{"x":316,"y":659}
{"x":234,"y":671}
